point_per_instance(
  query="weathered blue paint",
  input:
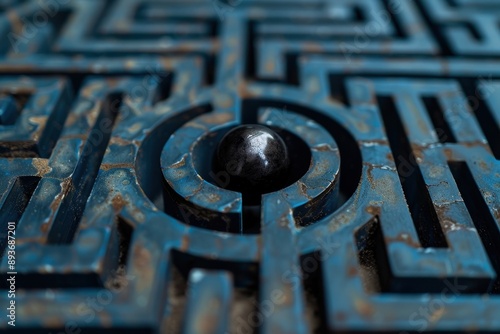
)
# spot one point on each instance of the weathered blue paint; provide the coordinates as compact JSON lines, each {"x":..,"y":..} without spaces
{"x":108,"y":113}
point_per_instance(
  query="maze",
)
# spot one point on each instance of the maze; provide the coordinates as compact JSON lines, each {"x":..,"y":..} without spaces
{"x":110,"y":112}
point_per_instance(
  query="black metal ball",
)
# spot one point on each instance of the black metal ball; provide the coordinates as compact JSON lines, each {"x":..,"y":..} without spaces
{"x":255,"y":158}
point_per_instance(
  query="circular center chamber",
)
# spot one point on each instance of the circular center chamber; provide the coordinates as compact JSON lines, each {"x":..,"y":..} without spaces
{"x":220,"y":174}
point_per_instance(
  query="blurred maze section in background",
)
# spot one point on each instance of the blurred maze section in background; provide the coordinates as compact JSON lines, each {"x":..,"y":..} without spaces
{"x":110,"y":112}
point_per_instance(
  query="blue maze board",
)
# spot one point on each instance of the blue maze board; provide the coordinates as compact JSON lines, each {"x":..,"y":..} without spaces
{"x":114,"y":220}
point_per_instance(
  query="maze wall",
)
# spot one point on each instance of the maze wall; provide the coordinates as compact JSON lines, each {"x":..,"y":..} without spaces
{"x":109,"y":115}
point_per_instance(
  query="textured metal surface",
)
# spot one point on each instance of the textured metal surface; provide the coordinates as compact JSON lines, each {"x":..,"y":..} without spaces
{"x":110,"y":112}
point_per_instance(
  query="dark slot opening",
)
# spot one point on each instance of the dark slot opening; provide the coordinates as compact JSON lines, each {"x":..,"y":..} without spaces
{"x":250,"y":50}
{"x":338,"y":90}
{"x":483,"y":115}
{"x":480,"y":214}
{"x":163,"y":90}
{"x":419,"y":201}
{"x":394,"y":20}
{"x":312,"y":276}
{"x":474,"y":32}
{"x":12,"y":105}
{"x":57,"y":24}
{"x":210,"y":69}
{"x":291,"y":75}
{"x":125,"y":231}
{"x":36,"y":281}
{"x":250,"y":216}
{"x":442,"y":41}
{"x":245,"y":273}
{"x":359,"y":16}
{"x":373,"y":261}
{"x":436,"y":115}
{"x":15,"y":204}
{"x":55,"y":122}
{"x":115,"y":275}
